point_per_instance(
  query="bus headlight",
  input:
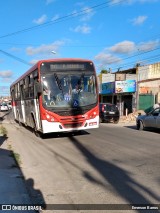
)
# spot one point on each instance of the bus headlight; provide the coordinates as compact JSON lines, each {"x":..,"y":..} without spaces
{"x":49,"y":118}
{"x":92,"y":115}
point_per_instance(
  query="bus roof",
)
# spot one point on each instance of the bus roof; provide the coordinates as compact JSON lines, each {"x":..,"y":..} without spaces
{"x":48,"y":60}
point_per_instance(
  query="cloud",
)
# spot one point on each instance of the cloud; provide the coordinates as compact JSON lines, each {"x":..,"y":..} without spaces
{"x":110,"y":55}
{"x":126,"y":47}
{"x":147,"y":1}
{"x":82,"y":29}
{"x":88,"y":13}
{"x":40,"y":20}
{"x":123,"y":47}
{"x":132,"y":1}
{"x":34,"y":61}
{"x":106,"y":59}
{"x":15,"y":49}
{"x":44,"y":49}
{"x":126,"y":2}
{"x":147,"y":46}
{"x":116,"y":1}
{"x":1,"y":60}
{"x":6,"y":74}
{"x":49,"y":1}
{"x":139,"y":20}
{"x":55,"y":17}
{"x":7,"y":80}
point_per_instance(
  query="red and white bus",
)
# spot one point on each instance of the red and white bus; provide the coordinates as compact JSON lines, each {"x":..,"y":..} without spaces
{"x":57,"y":95}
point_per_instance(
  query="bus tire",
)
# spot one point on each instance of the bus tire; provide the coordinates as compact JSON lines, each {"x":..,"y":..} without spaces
{"x":100,"y":120}
{"x":36,"y":132}
{"x":19,"y":122}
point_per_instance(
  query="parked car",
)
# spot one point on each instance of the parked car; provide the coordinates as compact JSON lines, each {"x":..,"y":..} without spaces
{"x":108,"y":112}
{"x":9,"y":105}
{"x":4,"y":107}
{"x":150,"y":120}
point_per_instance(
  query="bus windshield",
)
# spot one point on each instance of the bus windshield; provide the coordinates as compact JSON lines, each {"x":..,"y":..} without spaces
{"x":68,"y":89}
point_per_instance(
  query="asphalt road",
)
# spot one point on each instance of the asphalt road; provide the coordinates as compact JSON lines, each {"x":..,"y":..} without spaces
{"x":115,"y":164}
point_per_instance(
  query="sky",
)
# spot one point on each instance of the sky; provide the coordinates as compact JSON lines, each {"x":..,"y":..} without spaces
{"x":114,"y":34}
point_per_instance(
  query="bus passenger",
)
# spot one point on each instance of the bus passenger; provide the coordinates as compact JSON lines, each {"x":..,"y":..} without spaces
{"x":77,"y":89}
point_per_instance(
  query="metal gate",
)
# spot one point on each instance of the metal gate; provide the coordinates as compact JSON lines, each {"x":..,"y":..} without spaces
{"x":146,"y":101}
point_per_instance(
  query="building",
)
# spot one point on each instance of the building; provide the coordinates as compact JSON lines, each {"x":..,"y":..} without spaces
{"x":148,"y":78}
{"x":119,"y":88}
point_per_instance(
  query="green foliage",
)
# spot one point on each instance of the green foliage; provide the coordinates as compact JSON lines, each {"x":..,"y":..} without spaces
{"x":17,"y":158}
{"x":104,"y":71}
{"x":15,"y":155}
{"x":3,"y":131}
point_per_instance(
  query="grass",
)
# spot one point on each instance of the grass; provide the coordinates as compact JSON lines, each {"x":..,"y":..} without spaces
{"x":15,"y":155}
{"x":3,"y":130}
{"x":17,"y":158}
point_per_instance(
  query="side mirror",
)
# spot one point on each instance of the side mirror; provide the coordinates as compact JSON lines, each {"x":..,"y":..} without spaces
{"x":38,"y":88}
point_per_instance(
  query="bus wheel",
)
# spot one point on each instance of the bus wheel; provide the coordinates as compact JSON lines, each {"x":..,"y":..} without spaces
{"x":37,"y":133}
{"x":19,"y":122}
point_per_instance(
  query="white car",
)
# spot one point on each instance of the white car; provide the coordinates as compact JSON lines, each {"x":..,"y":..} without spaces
{"x":150,"y":120}
{"x":4,"y":107}
{"x":9,"y":105}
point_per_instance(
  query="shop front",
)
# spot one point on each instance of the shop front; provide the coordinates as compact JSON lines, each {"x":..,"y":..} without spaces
{"x":121,"y":93}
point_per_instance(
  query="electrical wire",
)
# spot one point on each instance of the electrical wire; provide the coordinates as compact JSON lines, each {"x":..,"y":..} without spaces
{"x":145,"y":52}
{"x":15,"y":57}
{"x":142,"y":60}
{"x":66,"y":17}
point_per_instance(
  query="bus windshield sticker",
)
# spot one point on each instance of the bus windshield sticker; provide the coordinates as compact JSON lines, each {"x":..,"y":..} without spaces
{"x":75,"y":103}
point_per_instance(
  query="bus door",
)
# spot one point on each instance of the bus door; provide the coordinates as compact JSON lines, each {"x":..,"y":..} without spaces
{"x":22,"y":108}
{"x":13,"y":101}
{"x":37,"y":107}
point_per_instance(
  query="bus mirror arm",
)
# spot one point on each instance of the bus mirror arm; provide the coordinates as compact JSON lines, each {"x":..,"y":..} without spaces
{"x":38,"y":87}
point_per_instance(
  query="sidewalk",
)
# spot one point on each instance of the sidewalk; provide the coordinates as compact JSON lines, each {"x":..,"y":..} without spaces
{"x":128,"y":121}
{"x":12,"y":186}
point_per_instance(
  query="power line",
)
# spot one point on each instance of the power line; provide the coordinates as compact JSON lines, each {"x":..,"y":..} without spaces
{"x":66,"y":17}
{"x":63,"y":18}
{"x":15,"y":57}
{"x":143,"y":60}
{"x":145,"y":52}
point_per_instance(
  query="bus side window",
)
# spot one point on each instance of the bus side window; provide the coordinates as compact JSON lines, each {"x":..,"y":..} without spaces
{"x":16,"y":91}
{"x":22,"y":89}
{"x":13,"y":94}
{"x":31,"y":86}
{"x":35,"y":80}
{"x":26,"y":88}
{"x":34,"y":89}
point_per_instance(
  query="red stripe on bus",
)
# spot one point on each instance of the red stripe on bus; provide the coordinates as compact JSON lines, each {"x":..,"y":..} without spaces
{"x":13,"y":103}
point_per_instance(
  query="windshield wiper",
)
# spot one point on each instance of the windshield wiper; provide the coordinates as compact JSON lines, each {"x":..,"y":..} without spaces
{"x":58,"y":82}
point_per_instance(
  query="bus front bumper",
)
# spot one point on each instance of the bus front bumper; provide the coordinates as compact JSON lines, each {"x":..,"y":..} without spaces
{"x":49,"y":127}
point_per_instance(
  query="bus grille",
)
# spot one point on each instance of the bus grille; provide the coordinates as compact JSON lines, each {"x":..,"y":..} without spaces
{"x":73,"y":125}
{"x":72,"y":112}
